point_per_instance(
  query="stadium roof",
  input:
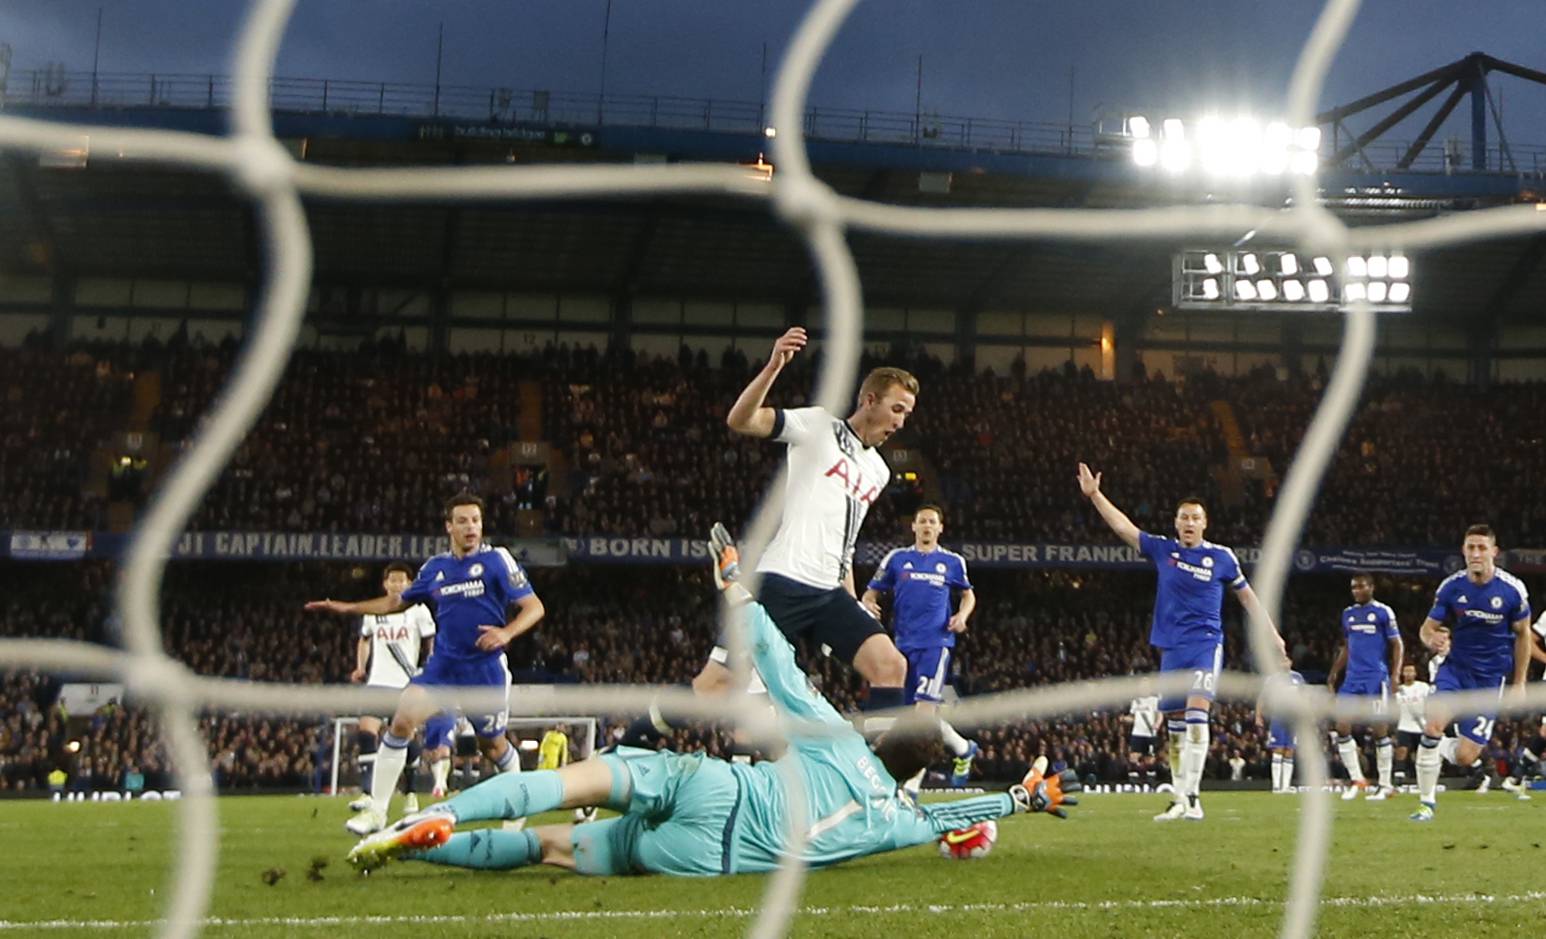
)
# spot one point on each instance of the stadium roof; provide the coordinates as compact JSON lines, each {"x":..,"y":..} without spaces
{"x":111,"y":218}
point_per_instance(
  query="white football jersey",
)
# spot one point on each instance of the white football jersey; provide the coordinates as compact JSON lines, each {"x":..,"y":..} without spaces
{"x":1145,"y":711}
{"x":395,"y":640}
{"x":833,"y":479}
{"x":1413,"y":702}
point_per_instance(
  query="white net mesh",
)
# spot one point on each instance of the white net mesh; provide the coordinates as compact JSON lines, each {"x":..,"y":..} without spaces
{"x":260,"y":167}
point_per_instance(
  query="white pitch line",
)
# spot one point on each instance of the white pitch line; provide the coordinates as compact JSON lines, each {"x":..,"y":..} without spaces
{"x":935,"y":909}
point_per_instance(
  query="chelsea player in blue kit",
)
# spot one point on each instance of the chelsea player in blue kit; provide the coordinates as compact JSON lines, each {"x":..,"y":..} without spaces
{"x":920,"y":580}
{"x":692,"y":814}
{"x":472,"y":587}
{"x":1370,"y":656}
{"x":1188,"y":629}
{"x":1480,"y":623}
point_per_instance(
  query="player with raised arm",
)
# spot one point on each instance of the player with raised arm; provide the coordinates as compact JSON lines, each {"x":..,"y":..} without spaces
{"x":695,"y":815}
{"x":1281,"y":738}
{"x":1188,"y":628}
{"x":835,"y":472}
{"x":920,"y":580}
{"x":387,"y":656}
{"x":1487,"y":647}
{"x":472,"y":586}
{"x":1411,"y":699}
{"x":1371,"y":654}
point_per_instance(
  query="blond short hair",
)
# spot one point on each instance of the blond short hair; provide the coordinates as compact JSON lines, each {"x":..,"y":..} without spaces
{"x":881,"y":380}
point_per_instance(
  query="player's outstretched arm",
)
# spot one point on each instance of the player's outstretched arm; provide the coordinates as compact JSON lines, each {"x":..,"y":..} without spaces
{"x":1253,"y":608}
{"x":1524,"y":645}
{"x":871,"y":602}
{"x":748,"y":416}
{"x":380,"y":606}
{"x":1334,"y":674}
{"x":361,"y":659}
{"x":530,"y":613}
{"x":1089,"y":484}
{"x":1434,"y":636}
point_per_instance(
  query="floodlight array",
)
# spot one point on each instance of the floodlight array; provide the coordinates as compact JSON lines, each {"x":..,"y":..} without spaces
{"x":1288,"y":280}
{"x":1240,"y":148}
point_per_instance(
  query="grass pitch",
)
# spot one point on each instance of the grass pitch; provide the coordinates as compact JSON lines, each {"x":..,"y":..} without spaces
{"x":100,"y":869}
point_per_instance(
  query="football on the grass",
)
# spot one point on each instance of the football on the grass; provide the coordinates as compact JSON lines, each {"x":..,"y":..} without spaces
{"x":965,"y":844}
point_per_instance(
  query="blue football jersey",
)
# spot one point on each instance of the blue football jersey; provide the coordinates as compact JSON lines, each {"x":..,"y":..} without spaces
{"x":920,"y":583}
{"x":1480,"y":618}
{"x":1189,"y":598}
{"x":468,"y":592}
{"x":1369,"y":627}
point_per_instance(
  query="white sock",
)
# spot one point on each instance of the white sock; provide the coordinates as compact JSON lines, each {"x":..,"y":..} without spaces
{"x":510,"y":760}
{"x":390,"y":760}
{"x":1194,"y":753}
{"x":1428,"y":763}
{"x":1277,"y":772}
{"x":915,"y":785}
{"x":1347,"y":748}
{"x":1385,"y":760}
{"x":953,"y":739}
{"x":1288,"y":774}
{"x":440,"y":771}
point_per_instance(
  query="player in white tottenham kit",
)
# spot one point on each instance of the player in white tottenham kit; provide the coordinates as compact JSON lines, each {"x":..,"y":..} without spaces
{"x":387,"y":656}
{"x":835,"y":473}
{"x":1411,"y":697}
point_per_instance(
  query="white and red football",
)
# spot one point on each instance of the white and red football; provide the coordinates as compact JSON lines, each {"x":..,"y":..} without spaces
{"x":965,"y":844}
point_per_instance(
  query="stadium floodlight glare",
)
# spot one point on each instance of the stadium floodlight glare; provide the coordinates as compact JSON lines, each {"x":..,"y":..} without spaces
{"x":770,"y":132}
{"x":1399,"y":268}
{"x":1145,"y":152}
{"x":1175,"y":155}
{"x":1277,"y":279}
{"x":1238,"y":147}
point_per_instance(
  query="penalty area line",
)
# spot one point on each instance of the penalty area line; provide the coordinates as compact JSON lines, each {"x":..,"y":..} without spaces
{"x":941,"y":909}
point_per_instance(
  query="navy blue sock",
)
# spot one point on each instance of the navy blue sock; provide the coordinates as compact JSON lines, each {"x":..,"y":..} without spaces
{"x":883,"y":697}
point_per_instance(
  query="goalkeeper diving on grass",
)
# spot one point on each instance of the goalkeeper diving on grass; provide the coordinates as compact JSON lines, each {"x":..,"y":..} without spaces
{"x":692,"y":814}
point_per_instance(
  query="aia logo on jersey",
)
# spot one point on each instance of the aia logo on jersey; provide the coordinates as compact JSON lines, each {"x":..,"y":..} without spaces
{"x":388,"y":634}
{"x":852,"y":480}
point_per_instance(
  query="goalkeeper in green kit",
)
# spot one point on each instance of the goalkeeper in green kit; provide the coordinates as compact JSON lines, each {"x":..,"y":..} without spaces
{"x":695,"y":815}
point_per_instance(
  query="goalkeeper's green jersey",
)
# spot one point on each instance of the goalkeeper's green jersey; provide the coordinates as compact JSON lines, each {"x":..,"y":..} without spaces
{"x":852,"y":805}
